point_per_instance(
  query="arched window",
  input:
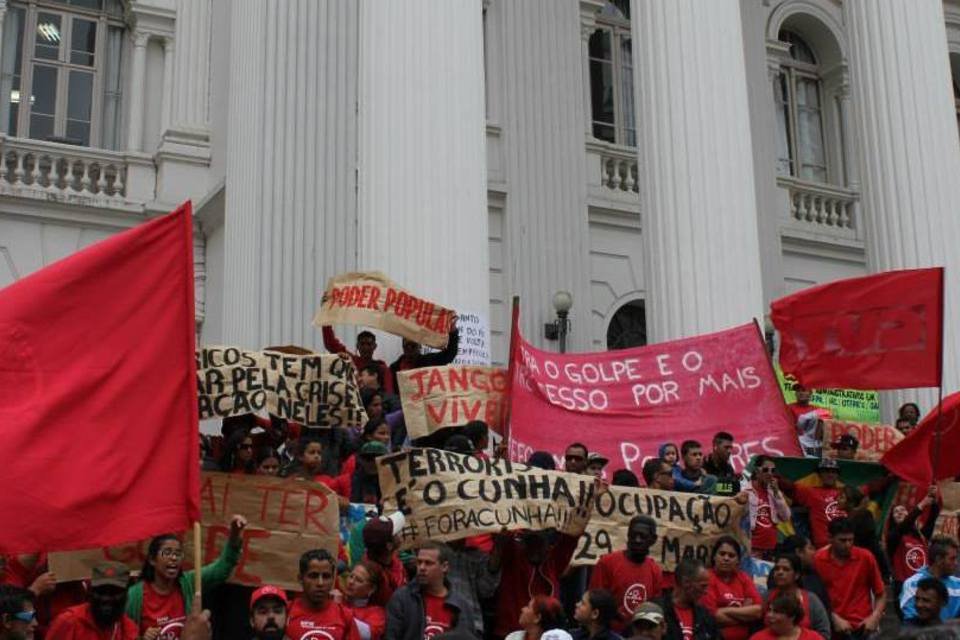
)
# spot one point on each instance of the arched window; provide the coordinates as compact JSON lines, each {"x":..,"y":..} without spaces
{"x":628,"y":327}
{"x":60,"y":76}
{"x":611,"y":76}
{"x":799,"y":101}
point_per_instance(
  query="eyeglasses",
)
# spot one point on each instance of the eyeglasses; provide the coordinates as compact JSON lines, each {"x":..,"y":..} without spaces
{"x":176,"y":554}
{"x":767,"y":469}
{"x":26,"y":616}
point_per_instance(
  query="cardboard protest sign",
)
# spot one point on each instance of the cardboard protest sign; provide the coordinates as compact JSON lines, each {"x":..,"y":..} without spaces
{"x":437,"y":397}
{"x":448,"y":496}
{"x":874,"y":439}
{"x":373,"y":300}
{"x":314,"y":389}
{"x":852,"y":405}
{"x":688,"y":524}
{"x":286,"y":517}
{"x":947,"y":521}
{"x":627,"y":403}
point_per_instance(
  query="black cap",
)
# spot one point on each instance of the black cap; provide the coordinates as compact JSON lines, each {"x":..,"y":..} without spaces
{"x":828,"y":464}
{"x":846,"y":441}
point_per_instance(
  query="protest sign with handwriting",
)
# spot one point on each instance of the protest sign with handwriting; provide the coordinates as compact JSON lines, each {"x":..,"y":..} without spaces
{"x":315,"y":389}
{"x":286,"y":517}
{"x":437,"y":397}
{"x":688,"y":524}
{"x":448,"y":496}
{"x":875,"y":439}
{"x":373,"y":300}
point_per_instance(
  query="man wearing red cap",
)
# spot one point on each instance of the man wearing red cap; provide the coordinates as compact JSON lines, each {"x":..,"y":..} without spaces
{"x":102,"y":618}
{"x":268,"y":613}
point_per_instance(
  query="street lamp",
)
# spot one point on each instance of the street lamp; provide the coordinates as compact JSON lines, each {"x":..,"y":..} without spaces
{"x":559,"y":328}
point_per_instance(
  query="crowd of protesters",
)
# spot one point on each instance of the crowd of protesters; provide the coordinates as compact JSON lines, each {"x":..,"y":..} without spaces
{"x":830,"y":573}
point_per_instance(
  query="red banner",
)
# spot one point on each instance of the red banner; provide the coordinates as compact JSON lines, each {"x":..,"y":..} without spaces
{"x":877,"y":332}
{"x":625,"y":404}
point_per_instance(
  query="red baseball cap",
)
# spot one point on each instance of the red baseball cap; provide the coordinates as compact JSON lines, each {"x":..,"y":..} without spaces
{"x":269,"y":591}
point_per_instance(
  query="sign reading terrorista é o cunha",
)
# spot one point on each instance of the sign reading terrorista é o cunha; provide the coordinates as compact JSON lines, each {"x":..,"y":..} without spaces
{"x":448,"y":496}
{"x":313,"y":389}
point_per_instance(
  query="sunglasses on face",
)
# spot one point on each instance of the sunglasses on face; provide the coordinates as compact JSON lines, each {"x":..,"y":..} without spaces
{"x":573,"y":457}
{"x":25,"y":616}
{"x":767,"y":469}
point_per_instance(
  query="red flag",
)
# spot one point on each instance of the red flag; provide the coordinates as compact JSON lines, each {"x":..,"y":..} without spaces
{"x":912,"y":458}
{"x":624,"y":404}
{"x":876,"y":332}
{"x":98,"y":399}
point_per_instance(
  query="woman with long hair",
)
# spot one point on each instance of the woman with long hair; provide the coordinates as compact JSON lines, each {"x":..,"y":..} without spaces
{"x":238,"y":453}
{"x":595,"y":613}
{"x":163,"y":598}
{"x":540,"y":615}
{"x":362,"y":594}
{"x":787,"y":581}
{"x":732,"y":597}
{"x":267,"y":462}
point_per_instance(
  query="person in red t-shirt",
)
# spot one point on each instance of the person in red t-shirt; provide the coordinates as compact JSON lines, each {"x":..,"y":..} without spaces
{"x":802,"y":403}
{"x":783,"y":622}
{"x":732,"y":597}
{"x":821,"y":501}
{"x":632,"y":576}
{"x":362,"y":593}
{"x":310,"y":457}
{"x":103,"y":617}
{"x":768,"y":508}
{"x":907,"y":543}
{"x":366,"y":346}
{"x":684,"y":612}
{"x":380,"y":541}
{"x":853,"y":581}
{"x":314,"y":614}
{"x":268,"y":613}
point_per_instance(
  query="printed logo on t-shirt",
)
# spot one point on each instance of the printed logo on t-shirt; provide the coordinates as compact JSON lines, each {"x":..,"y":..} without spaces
{"x":687,"y":631}
{"x":433,"y":629}
{"x":316,"y":634}
{"x":731,"y":600}
{"x":635,"y":595}
{"x":916,"y":558}
{"x":763,"y":516}
{"x":170,"y":629}
{"x":833,"y":511}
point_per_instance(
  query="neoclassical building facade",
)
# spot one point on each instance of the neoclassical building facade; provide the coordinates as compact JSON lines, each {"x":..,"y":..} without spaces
{"x":673,"y":164}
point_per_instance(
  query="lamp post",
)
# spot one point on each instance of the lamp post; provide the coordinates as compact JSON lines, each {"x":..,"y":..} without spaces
{"x":559,"y":328}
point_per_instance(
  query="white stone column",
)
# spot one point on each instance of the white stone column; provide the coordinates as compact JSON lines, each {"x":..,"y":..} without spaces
{"x":168,"y":58}
{"x":137,"y":90}
{"x":422,"y":199}
{"x":697,"y":187}
{"x":192,"y":63}
{"x":905,"y":120}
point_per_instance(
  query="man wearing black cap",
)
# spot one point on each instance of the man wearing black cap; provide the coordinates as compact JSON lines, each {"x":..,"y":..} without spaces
{"x":103,"y":616}
{"x":845,"y":447}
{"x":821,"y":501}
{"x":268,"y":613}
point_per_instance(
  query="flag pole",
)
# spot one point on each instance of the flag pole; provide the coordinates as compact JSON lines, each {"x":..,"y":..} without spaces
{"x":938,"y":428}
{"x":197,"y":559}
{"x":514,"y":318}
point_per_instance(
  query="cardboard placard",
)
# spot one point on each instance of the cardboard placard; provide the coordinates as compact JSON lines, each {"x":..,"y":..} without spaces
{"x":874,"y":439}
{"x":448,"y":496}
{"x":371,"y":299}
{"x":438,"y":397}
{"x":315,"y":389}
{"x":286,"y":517}
{"x":688,"y":524}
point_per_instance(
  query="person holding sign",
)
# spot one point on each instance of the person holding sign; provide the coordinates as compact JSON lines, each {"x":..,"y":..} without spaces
{"x":363,"y":358}
{"x":412,"y":358}
{"x":732,"y":597}
{"x":631,"y":575}
{"x":822,"y":501}
{"x":315,"y":614}
{"x":160,"y":602}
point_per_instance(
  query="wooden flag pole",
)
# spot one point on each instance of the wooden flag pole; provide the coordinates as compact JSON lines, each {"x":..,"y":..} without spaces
{"x":197,"y":559}
{"x":939,"y":427}
{"x":514,"y":319}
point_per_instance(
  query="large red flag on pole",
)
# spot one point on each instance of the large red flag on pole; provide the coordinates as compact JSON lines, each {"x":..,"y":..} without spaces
{"x":876,"y":332}
{"x":917,"y":457}
{"x":98,"y":402}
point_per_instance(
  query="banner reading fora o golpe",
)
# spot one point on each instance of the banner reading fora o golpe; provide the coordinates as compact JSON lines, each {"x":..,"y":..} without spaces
{"x":371,"y":299}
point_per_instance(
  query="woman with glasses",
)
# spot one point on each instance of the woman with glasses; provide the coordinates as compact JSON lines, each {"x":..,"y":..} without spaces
{"x":768,"y":508}
{"x":238,"y":454}
{"x":362,"y":594}
{"x":162,"y":600}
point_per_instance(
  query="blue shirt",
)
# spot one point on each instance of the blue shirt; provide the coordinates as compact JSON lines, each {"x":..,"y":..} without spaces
{"x":908,"y":596}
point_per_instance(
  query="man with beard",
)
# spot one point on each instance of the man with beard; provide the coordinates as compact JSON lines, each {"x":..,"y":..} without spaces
{"x":18,"y":619}
{"x":103,"y":617}
{"x":631,"y":575}
{"x":268,"y":613}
